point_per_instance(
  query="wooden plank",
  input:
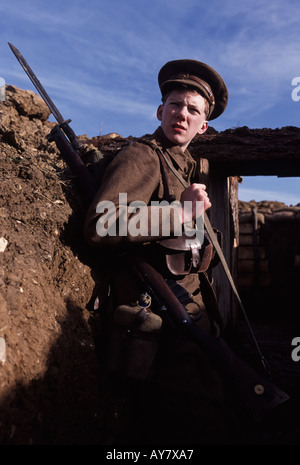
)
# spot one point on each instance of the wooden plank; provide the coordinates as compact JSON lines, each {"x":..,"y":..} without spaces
{"x":220,"y":219}
{"x":249,"y":218}
{"x":286,"y":168}
{"x":248,"y":152}
{"x":246,"y":228}
{"x":248,"y":266}
{"x":247,"y":280}
{"x":247,"y":252}
{"x":246,"y":239}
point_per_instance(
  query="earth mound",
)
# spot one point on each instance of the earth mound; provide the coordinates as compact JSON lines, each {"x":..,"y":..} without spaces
{"x":49,"y":373}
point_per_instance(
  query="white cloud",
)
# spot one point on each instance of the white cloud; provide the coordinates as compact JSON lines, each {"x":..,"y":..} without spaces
{"x":247,"y":194}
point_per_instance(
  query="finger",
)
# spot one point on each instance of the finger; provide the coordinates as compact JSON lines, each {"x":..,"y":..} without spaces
{"x":199,"y":186}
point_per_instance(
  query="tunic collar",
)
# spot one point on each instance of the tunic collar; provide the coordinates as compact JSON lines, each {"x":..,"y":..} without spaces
{"x":183,"y":159}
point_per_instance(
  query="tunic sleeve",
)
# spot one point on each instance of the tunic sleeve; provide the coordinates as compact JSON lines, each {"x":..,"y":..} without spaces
{"x":128,"y":207}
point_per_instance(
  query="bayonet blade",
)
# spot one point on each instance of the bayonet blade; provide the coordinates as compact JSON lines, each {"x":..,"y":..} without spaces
{"x":57,"y":115}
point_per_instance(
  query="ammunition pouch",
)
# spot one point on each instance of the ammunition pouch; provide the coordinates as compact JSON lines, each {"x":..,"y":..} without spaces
{"x":133,"y":342}
{"x":184,"y":255}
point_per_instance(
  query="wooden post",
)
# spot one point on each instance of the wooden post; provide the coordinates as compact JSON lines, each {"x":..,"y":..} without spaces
{"x":220,"y":217}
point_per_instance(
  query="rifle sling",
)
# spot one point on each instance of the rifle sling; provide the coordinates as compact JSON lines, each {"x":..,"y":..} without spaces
{"x":222,"y":258}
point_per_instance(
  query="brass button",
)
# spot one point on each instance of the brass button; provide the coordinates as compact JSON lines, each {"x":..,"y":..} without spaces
{"x":259,"y":389}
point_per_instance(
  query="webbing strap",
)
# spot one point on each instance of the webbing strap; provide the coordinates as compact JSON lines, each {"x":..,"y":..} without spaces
{"x":219,"y":251}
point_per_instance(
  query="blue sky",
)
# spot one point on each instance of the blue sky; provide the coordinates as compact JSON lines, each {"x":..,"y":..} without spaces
{"x":99,"y":59}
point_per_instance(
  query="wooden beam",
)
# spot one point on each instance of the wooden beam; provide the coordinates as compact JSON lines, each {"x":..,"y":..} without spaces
{"x":251,"y":152}
{"x":280,"y":168}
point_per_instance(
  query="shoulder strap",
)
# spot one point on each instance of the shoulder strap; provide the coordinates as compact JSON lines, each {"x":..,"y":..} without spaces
{"x":164,"y":172}
{"x":164,"y":162}
{"x":219,"y":251}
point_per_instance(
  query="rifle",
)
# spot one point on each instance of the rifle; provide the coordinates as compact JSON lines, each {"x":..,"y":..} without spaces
{"x":258,"y":395}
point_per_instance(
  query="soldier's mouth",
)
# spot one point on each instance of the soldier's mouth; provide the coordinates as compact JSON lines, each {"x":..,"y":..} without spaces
{"x":178,"y":127}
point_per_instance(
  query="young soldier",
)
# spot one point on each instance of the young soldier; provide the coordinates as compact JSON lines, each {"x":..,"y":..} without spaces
{"x":183,"y":401}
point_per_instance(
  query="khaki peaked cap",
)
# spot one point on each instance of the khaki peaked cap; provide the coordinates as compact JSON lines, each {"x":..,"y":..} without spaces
{"x":200,"y":76}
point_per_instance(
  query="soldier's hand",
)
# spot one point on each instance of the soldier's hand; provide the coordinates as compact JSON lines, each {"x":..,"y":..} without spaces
{"x":194,"y":202}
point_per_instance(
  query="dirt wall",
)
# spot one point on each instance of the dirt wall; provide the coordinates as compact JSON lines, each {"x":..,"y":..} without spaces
{"x":49,"y":373}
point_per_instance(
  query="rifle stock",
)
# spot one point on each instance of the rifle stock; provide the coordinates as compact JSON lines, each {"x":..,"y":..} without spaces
{"x":256,"y":393}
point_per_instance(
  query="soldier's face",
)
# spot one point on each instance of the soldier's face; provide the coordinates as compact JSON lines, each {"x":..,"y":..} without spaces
{"x":183,"y":116}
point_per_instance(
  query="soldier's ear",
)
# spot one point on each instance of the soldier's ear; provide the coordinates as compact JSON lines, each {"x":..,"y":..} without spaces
{"x":159,"y":112}
{"x":203,"y":127}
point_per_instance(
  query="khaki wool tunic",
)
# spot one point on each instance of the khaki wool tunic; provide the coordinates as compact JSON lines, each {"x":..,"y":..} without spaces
{"x":136,"y":172}
{"x":185,"y":387}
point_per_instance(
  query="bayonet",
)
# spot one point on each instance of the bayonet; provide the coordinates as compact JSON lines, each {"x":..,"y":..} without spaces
{"x":64,"y":136}
{"x":64,"y":124}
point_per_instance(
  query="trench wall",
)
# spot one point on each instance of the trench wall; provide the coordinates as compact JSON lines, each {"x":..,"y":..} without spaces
{"x":268,"y":261}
